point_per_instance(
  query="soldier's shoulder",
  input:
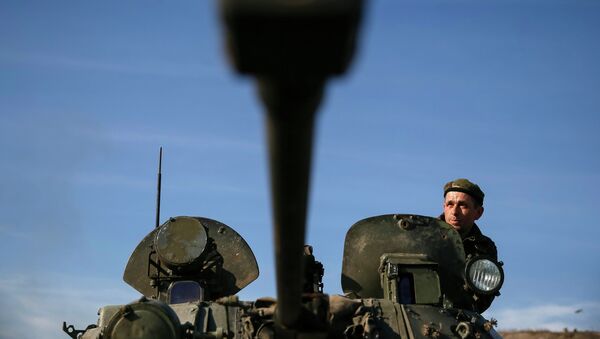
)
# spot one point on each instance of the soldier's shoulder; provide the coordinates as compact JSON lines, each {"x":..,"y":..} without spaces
{"x":480,"y":244}
{"x":488,"y":244}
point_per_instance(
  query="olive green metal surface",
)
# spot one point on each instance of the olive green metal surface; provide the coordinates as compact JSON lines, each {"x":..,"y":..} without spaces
{"x":368,"y":239}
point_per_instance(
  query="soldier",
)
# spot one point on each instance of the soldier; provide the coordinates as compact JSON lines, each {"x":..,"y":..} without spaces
{"x":463,"y":205}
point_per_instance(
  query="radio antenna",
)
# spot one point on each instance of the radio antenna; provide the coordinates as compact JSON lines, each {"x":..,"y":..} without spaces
{"x":159,"y":179}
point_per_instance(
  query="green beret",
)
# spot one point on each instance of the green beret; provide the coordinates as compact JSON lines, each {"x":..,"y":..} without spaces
{"x":465,"y":186}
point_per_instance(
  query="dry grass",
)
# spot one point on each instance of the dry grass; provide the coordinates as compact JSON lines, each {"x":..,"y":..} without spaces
{"x":550,"y":335}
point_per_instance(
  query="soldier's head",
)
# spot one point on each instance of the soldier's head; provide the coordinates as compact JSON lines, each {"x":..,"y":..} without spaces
{"x":463,"y":204}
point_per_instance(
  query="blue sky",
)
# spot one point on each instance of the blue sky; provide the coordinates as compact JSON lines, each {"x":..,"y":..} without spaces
{"x":502,"y":92}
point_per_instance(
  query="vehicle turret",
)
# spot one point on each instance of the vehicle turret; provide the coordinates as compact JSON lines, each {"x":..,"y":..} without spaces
{"x":195,"y":255}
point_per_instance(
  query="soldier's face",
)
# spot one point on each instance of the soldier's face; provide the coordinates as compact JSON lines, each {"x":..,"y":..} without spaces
{"x":461,"y":211}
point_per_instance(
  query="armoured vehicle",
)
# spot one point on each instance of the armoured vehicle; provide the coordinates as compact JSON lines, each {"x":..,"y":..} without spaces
{"x":405,"y":276}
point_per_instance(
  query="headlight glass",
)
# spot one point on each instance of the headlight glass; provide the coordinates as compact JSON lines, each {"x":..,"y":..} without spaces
{"x":485,"y":275}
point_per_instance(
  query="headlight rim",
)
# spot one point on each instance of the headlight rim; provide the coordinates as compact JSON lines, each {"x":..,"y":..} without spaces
{"x":471,"y":285}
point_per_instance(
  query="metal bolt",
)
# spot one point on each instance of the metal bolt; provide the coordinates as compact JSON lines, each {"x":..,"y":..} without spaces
{"x":405,"y":224}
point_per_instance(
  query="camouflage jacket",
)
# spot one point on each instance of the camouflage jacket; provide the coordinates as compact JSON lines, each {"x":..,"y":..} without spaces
{"x":475,"y":243}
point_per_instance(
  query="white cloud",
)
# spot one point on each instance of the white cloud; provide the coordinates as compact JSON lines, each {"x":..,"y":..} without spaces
{"x":192,"y":70}
{"x":196,"y":141}
{"x":12,"y":232}
{"x":176,"y":185}
{"x":36,"y":308}
{"x":104,"y":179}
{"x":553,"y":317}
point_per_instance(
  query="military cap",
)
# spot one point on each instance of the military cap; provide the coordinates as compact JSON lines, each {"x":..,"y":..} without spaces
{"x":465,"y":186}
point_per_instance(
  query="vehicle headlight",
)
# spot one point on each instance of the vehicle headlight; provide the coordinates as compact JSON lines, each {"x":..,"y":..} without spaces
{"x":484,"y":275}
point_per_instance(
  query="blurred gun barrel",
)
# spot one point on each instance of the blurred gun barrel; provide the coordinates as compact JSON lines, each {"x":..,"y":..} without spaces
{"x":290,"y":122}
{"x":291,"y":47}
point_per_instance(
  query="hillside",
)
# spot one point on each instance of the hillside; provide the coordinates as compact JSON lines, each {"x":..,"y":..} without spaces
{"x":550,"y":335}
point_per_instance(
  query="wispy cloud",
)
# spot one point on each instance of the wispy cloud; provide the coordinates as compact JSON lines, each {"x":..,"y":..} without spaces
{"x":12,"y":232}
{"x":191,"y":70}
{"x":175,"y":185}
{"x":196,"y":141}
{"x":37,"y":309}
{"x":104,"y":179}
{"x":553,"y":317}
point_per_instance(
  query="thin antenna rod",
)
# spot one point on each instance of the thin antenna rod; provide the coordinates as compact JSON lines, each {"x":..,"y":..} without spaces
{"x":158,"y":188}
